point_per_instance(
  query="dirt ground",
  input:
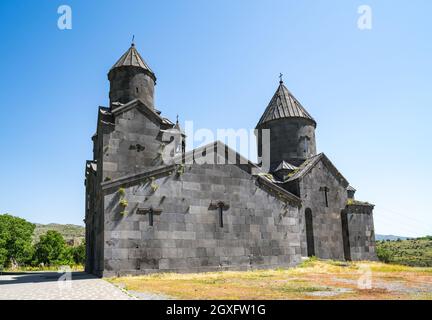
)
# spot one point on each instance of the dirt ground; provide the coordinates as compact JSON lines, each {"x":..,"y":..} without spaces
{"x":313,"y":279}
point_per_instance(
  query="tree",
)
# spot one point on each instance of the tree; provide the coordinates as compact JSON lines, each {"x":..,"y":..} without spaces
{"x":79,"y":255}
{"x":52,"y":250}
{"x":15,"y":240}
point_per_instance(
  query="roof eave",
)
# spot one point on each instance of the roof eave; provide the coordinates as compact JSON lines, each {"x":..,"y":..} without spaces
{"x":148,"y":71}
{"x":261,"y":123}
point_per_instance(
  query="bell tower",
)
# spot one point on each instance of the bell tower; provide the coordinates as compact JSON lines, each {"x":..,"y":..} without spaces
{"x":131,"y":78}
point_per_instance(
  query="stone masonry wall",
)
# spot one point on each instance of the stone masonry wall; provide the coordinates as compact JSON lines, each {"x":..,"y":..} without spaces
{"x":361,"y":233}
{"x":327,"y":226}
{"x":132,"y":147}
{"x":259,"y":230}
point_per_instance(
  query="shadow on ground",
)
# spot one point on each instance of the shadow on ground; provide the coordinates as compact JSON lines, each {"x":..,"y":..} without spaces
{"x":40,"y":277}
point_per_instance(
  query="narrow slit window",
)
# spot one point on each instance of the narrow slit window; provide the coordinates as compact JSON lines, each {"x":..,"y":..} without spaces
{"x":220,"y":210}
{"x":325,"y":191}
{"x":150,"y":215}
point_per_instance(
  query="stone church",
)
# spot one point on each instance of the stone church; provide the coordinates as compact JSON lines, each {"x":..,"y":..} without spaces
{"x":147,"y":214}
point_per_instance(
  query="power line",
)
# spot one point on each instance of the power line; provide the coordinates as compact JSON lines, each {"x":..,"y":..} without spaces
{"x":409,"y":229}
{"x":400,"y":214}
{"x":410,"y":223}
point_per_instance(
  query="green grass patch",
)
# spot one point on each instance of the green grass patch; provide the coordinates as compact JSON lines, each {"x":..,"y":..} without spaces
{"x":210,"y":281}
{"x":310,"y":262}
{"x":301,"y":287}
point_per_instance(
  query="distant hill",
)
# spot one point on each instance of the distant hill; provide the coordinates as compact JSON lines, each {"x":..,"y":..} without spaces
{"x":69,"y":231}
{"x":389,"y":237}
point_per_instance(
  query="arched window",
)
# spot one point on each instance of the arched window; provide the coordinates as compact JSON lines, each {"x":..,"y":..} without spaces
{"x":304,"y":144}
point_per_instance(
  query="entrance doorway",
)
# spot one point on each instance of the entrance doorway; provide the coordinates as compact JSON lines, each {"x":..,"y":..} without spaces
{"x":345,"y":236}
{"x":309,"y":233}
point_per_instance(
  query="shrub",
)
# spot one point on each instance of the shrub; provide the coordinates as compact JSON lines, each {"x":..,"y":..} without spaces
{"x":122,"y":191}
{"x":383,"y":254}
{"x":154,"y":186}
{"x":180,"y":170}
{"x":79,"y":253}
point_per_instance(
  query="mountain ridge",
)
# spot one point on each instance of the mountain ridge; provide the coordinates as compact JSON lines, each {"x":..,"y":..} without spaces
{"x":68,"y":231}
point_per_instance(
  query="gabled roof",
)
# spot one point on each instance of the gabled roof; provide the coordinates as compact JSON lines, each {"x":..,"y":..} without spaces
{"x":310,"y":163}
{"x":285,"y":166}
{"x":189,"y":157}
{"x":150,"y":112}
{"x":132,"y":58}
{"x":305,"y":167}
{"x":221,"y":149}
{"x":353,"y":203}
{"x":105,"y":118}
{"x":174,"y":131}
{"x":284,"y":105}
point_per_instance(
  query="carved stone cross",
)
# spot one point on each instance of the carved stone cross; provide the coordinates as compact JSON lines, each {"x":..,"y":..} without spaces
{"x":220,"y":207}
{"x":150,"y":211}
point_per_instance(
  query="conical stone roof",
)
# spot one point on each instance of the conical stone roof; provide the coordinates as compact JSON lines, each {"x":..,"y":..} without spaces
{"x":132,"y":58}
{"x":284,"y":105}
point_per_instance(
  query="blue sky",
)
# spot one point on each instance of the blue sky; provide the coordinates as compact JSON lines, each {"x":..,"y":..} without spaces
{"x":217,"y":63}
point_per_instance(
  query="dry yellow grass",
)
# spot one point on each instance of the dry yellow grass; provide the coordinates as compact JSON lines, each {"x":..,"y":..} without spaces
{"x":314,"y":279}
{"x":76,"y":267}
